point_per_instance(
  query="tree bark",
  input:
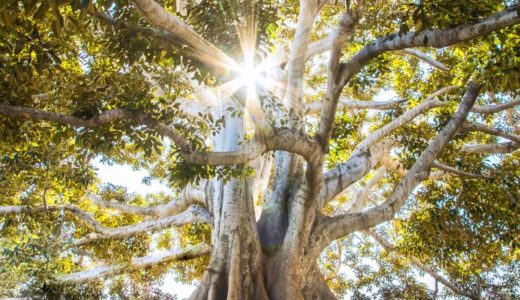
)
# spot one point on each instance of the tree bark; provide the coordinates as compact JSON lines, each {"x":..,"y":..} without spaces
{"x":276,"y":256}
{"x":248,"y":259}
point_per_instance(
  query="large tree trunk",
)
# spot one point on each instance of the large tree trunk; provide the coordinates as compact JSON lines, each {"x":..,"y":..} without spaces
{"x":244,"y":267}
{"x":248,"y":259}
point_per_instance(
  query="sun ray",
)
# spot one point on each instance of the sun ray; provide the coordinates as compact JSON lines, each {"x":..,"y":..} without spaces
{"x":252,"y":75}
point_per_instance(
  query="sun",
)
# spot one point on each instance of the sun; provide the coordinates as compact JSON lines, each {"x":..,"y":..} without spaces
{"x":253,"y":74}
{"x":248,"y":74}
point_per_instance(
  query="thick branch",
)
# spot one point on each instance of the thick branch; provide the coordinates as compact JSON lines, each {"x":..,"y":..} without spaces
{"x":302,"y":144}
{"x":132,"y":265}
{"x":282,"y":140}
{"x":296,"y":61}
{"x":330,"y":102}
{"x":195,"y":214}
{"x":506,"y":147}
{"x":432,"y":38}
{"x":369,"y":152}
{"x":490,"y":109}
{"x":201,"y":48}
{"x":356,"y":167}
{"x":277,"y":140}
{"x":333,"y":228}
{"x":325,"y":44}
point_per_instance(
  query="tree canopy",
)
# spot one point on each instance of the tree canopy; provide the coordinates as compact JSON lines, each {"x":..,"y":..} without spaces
{"x":406,"y":114}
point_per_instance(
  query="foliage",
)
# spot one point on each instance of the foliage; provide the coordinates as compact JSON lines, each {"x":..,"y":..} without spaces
{"x":84,"y":57}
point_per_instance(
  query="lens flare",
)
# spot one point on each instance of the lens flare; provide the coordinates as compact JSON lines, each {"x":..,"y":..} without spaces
{"x":253,"y":74}
{"x":249,"y":75}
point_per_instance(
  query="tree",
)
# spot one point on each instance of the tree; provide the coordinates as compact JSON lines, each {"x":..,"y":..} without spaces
{"x":263,"y":117}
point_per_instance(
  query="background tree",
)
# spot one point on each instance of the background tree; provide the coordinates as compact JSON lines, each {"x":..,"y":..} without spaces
{"x":267,"y":121}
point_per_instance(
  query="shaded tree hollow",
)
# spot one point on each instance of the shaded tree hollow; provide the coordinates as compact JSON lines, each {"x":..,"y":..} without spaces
{"x":248,"y":260}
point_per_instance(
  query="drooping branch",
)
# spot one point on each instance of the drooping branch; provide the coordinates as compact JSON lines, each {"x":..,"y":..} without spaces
{"x":492,"y":131}
{"x":110,"y":116}
{"x":334,"y":274}
{"x":282,"y":140}
{"x":198,"y":45}
{"x":426,"y":58}
{"x":315,"y":107}
{"x":361,"y":200}
{"x":429,"y":104}
{"x":132,"y":265}
{"x":417,"y":262}
{"x":428,"y":38}
{"x":188,"y":196}
{"x":85,"y":217}
{"x":104,"y":118}
{"x":494,"y":108}
{"x":332,"y":228}
{"x":39,"y":115}
{"x":195,"y":214}
{"x":510,"y":115}
{"x":458,"y":172}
